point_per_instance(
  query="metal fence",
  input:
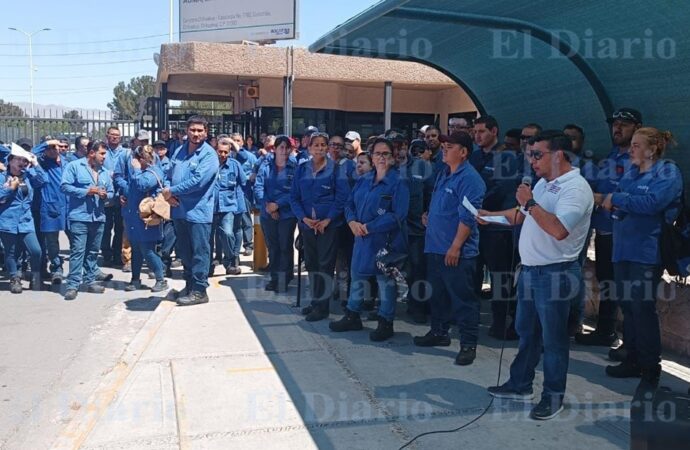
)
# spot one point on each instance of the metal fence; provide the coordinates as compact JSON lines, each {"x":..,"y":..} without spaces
{"x":70,"y":124}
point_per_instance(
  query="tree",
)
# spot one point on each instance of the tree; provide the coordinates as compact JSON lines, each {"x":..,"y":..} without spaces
{"x":11,"y":110}
{"x":75,"y":122}
{"x":204,"y":108}
{"x":126,"y":98}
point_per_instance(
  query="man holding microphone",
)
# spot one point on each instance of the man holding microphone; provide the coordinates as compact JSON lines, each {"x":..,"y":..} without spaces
{"x":555,"y":221}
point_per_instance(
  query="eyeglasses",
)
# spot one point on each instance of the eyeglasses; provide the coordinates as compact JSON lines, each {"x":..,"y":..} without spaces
{"x":624,"y":115}
{"x":381,"y":154}
{"x":536,"y":154}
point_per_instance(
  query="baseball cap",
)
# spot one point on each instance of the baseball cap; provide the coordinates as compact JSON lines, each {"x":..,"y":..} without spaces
{"x":460,"y":138}
{"x":424,"y":128}
{"x":143,"y":135}
{"x":25,"y":142}
{"x":311,"y":129}
{"x":353,"y":136}
{"x":159,"y":143}
{"x":626,"y":114}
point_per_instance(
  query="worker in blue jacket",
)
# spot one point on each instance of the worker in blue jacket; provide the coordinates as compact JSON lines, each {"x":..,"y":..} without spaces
{"x":17,"y":231}
{"x":89,"y":186}
{"x":317,"y":199}
{"x":229,"y":206}
{"x":145,"y":180}
{"x":272,"y":194}
{"x":191,"y":194}
{"x":52,"y":205}
{"x":249,"y":163}
{"x":168,"y":244}
{"x":452,"y":245}
{"x":376,"y":212}
{"x":648,"y":195}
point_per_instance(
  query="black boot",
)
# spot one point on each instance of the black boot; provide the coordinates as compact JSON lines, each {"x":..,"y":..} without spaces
{"x":16,"y":285}
{"x":650,"y":378}
{"x":383,"y":331}
{"x":35,"y":281}
{"x":318,"y":312}
{"x":626,"y":369}
{"x":349,"y":322}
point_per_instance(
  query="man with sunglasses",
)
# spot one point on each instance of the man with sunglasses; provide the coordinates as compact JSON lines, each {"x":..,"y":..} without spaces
{"x":555,"y":221}
{"x":624,"y":122}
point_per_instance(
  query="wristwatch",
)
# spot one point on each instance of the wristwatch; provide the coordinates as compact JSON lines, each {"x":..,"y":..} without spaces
{"x":531,"y":203}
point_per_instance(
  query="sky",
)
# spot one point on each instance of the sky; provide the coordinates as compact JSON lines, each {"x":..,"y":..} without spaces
{"x":94,"y":44}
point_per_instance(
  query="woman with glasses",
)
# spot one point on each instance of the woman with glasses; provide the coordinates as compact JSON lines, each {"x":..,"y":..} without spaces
{"x":376,"y":212}
{"x":317,"y":199}
{"x":272,"y":193}
{"x":364,"y":164}
{"x":146,"y":180}
{"x":648,"y":194}
{"x":17,"y":231}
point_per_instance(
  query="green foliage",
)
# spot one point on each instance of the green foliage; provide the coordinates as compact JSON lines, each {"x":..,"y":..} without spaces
{"x":204,"y":108}
{"x":128,"y":97}
{"x":10,"y":109}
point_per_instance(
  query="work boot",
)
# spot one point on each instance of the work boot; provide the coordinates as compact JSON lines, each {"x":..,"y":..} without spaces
{"x":383,"y":331}
{"x":317,"y":313}
{"x":161,"y":285}
{"x":102,"y":276}
{"x":71,"y":294}
{"x":626,"y":369}
{"x":194,"y":298}
{"x":94,"y":288}
{"x":349,"y":322}
{"x":133,"y":285}
{"x":16,"y":285}
{"x":619,"y":354}
{"x":35,"y":281}
{"x":597,"y":338}
{"x":466,"y":355}
{"x":233,"y":270}
{"x":650,"y":379}
{"x":56,"y":277}
{"x":432,"y":340}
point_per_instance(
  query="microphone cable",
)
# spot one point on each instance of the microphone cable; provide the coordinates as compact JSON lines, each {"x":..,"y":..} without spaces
{"x":500,"y":358}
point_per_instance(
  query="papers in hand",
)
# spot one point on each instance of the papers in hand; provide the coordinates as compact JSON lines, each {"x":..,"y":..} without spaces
{"x":501,"y":220}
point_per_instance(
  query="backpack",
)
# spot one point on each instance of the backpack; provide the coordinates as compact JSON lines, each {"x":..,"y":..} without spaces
{"x":674,"y":242}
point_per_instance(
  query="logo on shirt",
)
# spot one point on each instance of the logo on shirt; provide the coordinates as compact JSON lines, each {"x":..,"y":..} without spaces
{"x":643,"y":188}
{"x":554,"y":189}
{"x":325,"y":186}
{"x":449,"y":191}
{"x":381,"y":211}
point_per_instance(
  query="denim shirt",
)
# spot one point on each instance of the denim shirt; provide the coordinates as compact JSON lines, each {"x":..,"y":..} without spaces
{"x":446,"y":211}
{"x":193,"y":182}
{"x":610,"y":171}
{"x":15,"y":205}
{"x":643,"y":201}
{"x":229,"y":183}
{"x":272,"y":186}
{"x":76,"y":180}
{"x":382,"y":207}
{"x":320,"y":195}
{"x":142,"y":184}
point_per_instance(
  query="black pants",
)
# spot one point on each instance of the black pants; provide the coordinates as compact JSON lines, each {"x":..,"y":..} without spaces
{"x":114,"y":228}
{"x":603,"y":246}
{"x":417,"y":297}
{"x":497,"y":250}
{"x":319,"y":260}
{"x":343,"y":261}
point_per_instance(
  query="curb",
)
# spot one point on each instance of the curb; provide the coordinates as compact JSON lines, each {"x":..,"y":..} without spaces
{"x":80,"y":426}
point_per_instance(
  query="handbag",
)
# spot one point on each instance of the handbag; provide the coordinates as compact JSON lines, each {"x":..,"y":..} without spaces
{"x":387,"y":258}
{"x":154,"y":209}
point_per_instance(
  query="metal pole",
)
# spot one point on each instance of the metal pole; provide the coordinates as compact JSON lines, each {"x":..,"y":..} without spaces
{"x":387,"y":104}
{"x":171,"y":20}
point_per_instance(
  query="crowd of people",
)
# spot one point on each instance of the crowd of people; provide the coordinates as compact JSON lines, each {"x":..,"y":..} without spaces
{"x":439,"y":215}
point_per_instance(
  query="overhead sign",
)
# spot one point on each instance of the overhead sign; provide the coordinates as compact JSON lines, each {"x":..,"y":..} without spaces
{"x":237,"y":20}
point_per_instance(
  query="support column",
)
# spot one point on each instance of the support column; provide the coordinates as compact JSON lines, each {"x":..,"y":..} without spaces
{"x":287,"y":105}
{"x":163,"y":110}
{"x":387,"y":105}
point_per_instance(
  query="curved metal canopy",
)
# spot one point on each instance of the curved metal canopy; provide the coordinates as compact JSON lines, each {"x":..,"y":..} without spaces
{"x":541,"y":61}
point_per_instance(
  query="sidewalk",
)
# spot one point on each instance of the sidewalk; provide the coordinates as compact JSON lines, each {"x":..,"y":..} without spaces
{"x":245,"y":371}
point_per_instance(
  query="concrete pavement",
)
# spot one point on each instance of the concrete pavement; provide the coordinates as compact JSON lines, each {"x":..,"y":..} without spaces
{"x":245,"y":371}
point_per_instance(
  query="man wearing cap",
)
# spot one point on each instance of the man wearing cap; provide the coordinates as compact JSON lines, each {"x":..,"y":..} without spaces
{"x":111,"y":245}
{"x":89,"y":187}
{"x":624,"y":122}
{"x":352,"y":137}
{"x":451,"y":246}
{"x":191,"y":193}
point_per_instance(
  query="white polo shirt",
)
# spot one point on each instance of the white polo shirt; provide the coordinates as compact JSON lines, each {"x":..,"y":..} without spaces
{"x":570,"y":198}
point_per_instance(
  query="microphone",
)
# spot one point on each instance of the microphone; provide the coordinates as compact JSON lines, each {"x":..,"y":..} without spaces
{"x":527,"y":180}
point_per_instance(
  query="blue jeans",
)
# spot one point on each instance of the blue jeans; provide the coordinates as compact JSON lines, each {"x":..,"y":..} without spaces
{"x":51,"y":247}
{"x":545,"y":295}
{"x":453,"y":298}
{"x":248,"y":226}
{"x":168,"y":244}
{"x":15,"y":244}
{"x":636,"y":289}
{"x":279,"y":235}
{"x":360,"y":290}
{"x":228,"y":227}
{"x":146,"y":250}
{"x":194,"y":249}
{"x":85,"y":241}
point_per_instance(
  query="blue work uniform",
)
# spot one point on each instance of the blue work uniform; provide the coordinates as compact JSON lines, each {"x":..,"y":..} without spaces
{"x":320,"y":195}
{"x":273,"y":186}
{"x":229,"y":205}
{"x":15,"y":205}
{"x":192,"y":180}
{"x":142,"y":184}
{"x":76,"y":179}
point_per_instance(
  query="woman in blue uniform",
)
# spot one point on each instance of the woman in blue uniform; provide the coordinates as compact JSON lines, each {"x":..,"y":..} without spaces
{"x":17,"y":230}
{"x":146,"y":180}
{"x":317,"y":199}
{"x":272,"y":193}
{"x":376,"y":213}
{"x":648,"y":194}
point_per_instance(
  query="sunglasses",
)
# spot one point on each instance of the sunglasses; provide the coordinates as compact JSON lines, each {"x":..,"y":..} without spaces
{"x":536,"y":154}
{"x":624,"y":115}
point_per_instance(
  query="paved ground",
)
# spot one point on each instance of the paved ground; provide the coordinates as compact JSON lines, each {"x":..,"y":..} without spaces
{"x":245,"y":371}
